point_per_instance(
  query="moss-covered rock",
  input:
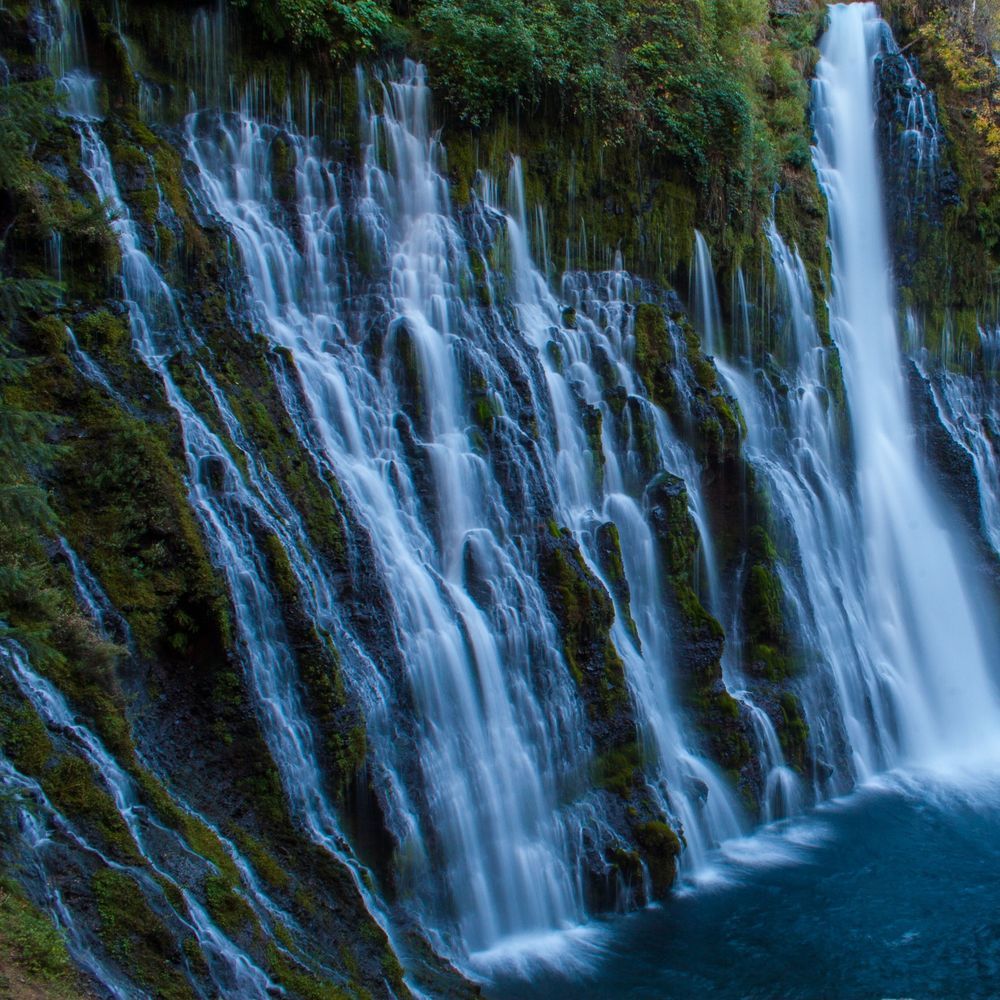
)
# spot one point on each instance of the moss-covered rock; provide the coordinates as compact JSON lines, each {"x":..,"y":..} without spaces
{"x":946,"y":229}
{"x":793,"y":731}
{"x":659,"y":847}
{"x":585,"y":615}
{"x":32,"y":948}
{"x":609,"y":553}
{"x":700,"y":637}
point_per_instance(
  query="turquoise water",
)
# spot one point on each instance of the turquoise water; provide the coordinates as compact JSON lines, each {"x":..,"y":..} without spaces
{"x":894,"y":892}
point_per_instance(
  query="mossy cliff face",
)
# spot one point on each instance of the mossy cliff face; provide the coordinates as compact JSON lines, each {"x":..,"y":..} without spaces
{"x":686,"y":385}
{"x":633,"y":171}
{"x":585,"y":614}
{"x":114,"y":474}
{"x":946,"y":237}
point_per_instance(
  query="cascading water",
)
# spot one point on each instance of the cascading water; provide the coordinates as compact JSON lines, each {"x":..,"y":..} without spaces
{"x":229,"y":509}
{"x":112,"y":627}
{"x":492,"y":756}
{"x":39,"y":844}
{"x":228,"y":516}
{"x":231,"y":969}
{"x":795,"y":441}
{"x":782,"y":792}
{"x":969,"y":409}
{"x":707,"y":313}
{"x":965,"y":400}
{"x":694,"y":791}
{"x":67,"y":56}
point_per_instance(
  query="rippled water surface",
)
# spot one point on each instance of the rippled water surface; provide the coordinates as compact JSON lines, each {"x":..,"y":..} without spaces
{"x":894,"y":892}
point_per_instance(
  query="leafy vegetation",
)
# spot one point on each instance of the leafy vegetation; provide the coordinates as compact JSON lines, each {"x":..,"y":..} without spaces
{"x":716,"y":85}
{"x":340,"y":28}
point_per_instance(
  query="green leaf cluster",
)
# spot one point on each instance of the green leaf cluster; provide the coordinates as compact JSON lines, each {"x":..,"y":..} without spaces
{"x":717,"y":86}
{"x":484,"y":53}
{"x":340,"y":28}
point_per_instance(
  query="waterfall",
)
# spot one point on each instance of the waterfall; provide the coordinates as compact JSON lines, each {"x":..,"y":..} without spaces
{"x":42,"y":846}
{"x":112,"y":626}
{"x":782,"y":793}
{"x":706,"y":311}
{"x":969,"y":410}
{"x":229,"y":508}
{"x":893,"y":621}
{"x":794,"y":442}
{"x":928,"y":645}
{"x":36,"y":851}
{"x":894,"y":680}
{"x":231,"y":969}
{"x":463,"y":409}
{"x":67,"y":58}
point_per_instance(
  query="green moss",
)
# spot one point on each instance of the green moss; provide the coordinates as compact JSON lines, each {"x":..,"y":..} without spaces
{"x":300,"y":981}
{"x":126,"y":509}
{"x":609,"y":554}
{"x":32,"y":945}
{"x":700,"y":635}
{"x":283,"y":166}
{"x":392,"y":968}
{"x":74,"y":788}
{"x":195,"y":957}
{"x":24,"y":739}
{"x":793,"y":732}
{"x":762,"y":602}
{"x":306,"y":902}
{"x":264,"y":864}
{"x":948,"y":257}
{"x":619,"y":770}
{"x":403,"y":358}
{"x":477,"y":268}
{"x":627,"y":863}
{"x":263,"y":787}
{"x":659,"y":847}
{"x":585,"y":614}
{"x":136,"y":936}
{"x":104,"y":333}
{"x":655,"y":356}
{"x":229,"y":911}
{"x":201,"y":839}
{"x":485,"y":409}
{"x":280,"y":567}
{"x":593,"y":422}
{"x":768,"y":642}
{"x":258,"y":408}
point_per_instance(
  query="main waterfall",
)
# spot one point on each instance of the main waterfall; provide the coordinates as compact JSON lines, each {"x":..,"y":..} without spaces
{"x":933,"y":690}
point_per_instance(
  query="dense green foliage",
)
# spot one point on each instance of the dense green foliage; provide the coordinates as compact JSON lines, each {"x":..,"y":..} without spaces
{"x":486,"y":53}
{"x":342,"y":28}
{"x":716,"y":84}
